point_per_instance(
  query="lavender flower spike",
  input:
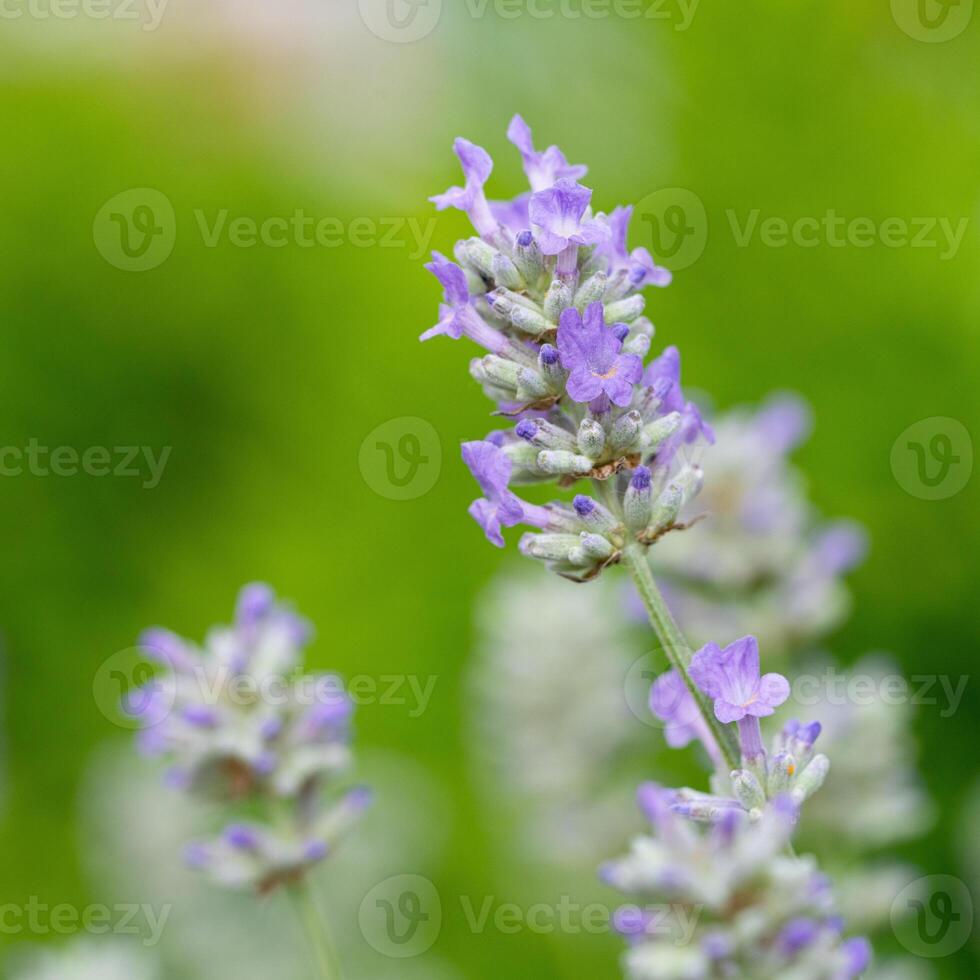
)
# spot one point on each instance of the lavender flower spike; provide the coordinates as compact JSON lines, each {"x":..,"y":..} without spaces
{"x":592,"y":354}
{"x":542,"y":169}
{"x":731,"y":678}
{"x":637,"y":267}
{"x":477,"y":167}
{"x":558,"y":216}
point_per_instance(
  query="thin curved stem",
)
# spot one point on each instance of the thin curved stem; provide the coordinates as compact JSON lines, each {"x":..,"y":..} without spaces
{"x":317,"y":932}
{"x":677,"y":649}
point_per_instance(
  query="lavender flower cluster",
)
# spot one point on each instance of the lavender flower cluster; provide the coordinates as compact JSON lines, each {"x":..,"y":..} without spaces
{"x":240,"y":724}
{"x":550,"y":290}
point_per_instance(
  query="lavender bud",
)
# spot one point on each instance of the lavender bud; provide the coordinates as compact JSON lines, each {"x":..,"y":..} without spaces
{"x":500,"y":372}
{"x":505,"y":273}
{"x":591,"y":291}
{"x":559,"y":298}
{"x":667,"y":508}
{"x":591,"y":438}
{"x":476,"y":253}
{"x":561,"y":463}
{"x":782,"y":768}
{"x":638,"y":500}
{"x":638,"y":344}
{"x":748,"y":789}
{"x":528,"y":258}
{"x":549,"y":364}
{"x":626,"y":310}
{"x":530,"y":385}
{"x":657,"y":432}
{"x":549,"y":547}
{"x":811,"y":779}
{"x":597,"y":547}
{"x":624,"y":432}
{"x":545,"y":434}
{"x":595,"y":516}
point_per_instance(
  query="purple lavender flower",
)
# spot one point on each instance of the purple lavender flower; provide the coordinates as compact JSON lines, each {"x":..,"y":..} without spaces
{"x":542,"y":169}
{"x":558,"y":215}
{"x":663,"y":375}
{"x":673,"y":704}
{"x":731,"y":677}
{"x":637,"y":266}
{"x":499,"y":507}
{"x":592,"y":354}
{"x":456,"y":314}
{"x":477,"y":167}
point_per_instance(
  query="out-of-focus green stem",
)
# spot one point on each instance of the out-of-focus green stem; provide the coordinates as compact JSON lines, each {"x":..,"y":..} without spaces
{"x":317,"y":932}
{"x":677,"y":649}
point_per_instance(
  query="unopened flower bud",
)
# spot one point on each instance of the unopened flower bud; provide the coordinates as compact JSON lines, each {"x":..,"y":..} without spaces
{"x":595,"y":516}
{"x":591,"y":438}
{"x":528,"y":258}
{"x":667,"y":508}
{"x":560,"y":462}
{"x":625,"y":431}
{"x":545,"y":434}
{"x":655,"y":433}
{"x":505,"y":273}
{"x":591,"y":291}
{"x":810,"y":779}
{"x":549,"y":364}
{"x":559,"y":298}
{"x":626,"y":310}
{"x":549,"y":547}
{"x":597,"y":547}
{"x":530,"y":385}
{"x":782,"y":769}
{"x":748,"y":789}
{"x":476,"y":253}
{"x":638,"y":500}
{"x":638,"y":344}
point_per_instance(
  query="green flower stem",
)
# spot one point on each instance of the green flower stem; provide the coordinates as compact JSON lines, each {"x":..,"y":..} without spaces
{"x":317,"y":932}
{"x":676,"y":647}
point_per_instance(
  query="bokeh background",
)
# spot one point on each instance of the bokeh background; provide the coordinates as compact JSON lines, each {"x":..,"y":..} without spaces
{"x":266,"y":368}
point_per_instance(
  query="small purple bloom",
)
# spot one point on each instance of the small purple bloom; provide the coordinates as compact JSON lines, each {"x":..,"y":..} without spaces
{"x":477,"y":166}
{"x":542,"y":169}
{"x":672,"y":703}
{"x":664,"y":375}
{"x":797,"y":935}
{"x":456,"y":314}
{"x":731,"y":678}
{"x":557,"y":213}
{"x":840,"y":547}
{"x":639,"y":266}
{"x":512,"y":214}
{"x":241,"y":837}
{"x":784,"y":422}
{"x":592,"y":354}
{"x":499,"y":507}
{"x":857,"y":956}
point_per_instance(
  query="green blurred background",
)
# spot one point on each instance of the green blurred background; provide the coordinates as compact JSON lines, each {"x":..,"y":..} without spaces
{"x":265,"y":368}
